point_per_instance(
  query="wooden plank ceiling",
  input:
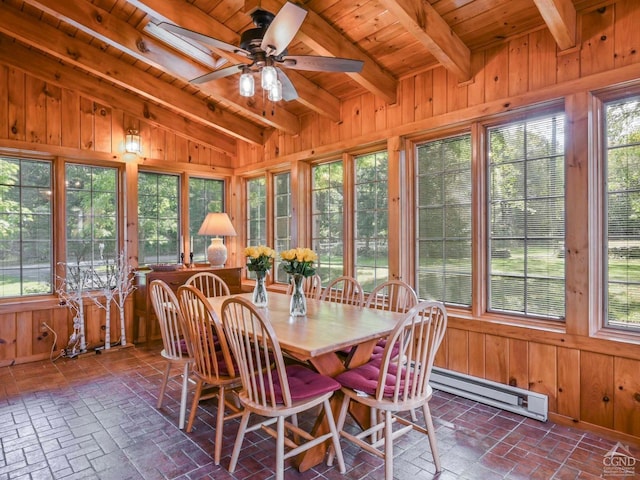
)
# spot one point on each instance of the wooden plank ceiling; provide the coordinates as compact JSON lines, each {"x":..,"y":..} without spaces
{"x":120,"y":43}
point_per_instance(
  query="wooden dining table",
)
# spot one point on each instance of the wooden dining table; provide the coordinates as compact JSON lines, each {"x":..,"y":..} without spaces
{"x":319,"y":337}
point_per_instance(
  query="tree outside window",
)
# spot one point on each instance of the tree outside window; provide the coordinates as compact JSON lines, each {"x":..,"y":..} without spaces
{"x":327,"y":200}
{"x":26,"y":245}
{"x":158,"y":218}
{"x":622,"y":214}
{"x":371,"y":220}
{"x":526,"y":217}
{"x":256,"y":213}
{"x":281,"y":221}
{"x":205,"y":196}
{"x":91,"y":216}
{"x":443,"y":216}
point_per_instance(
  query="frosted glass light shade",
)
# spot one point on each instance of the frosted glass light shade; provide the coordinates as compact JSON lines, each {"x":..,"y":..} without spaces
{"x":269,"y":78}
{"x":247,"y":86}
{"x":132,"y":142}
{"x":275,"y":94}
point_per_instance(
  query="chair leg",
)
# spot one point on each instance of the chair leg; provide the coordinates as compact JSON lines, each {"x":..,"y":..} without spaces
{"x":219,"y":427}
{"x":336,"y":436}
{"x":239,"y":438}
{"x":163,"y":386}
{"x":388,"y":446}
{"x":342,"y":416}
{"x":432,"y":436}
{"x":183,"y":396}
{"x":280,"y":449}
{"x":194,"y":405}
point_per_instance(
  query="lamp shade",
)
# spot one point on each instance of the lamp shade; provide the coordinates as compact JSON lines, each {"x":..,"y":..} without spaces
{"x":217,"y":224}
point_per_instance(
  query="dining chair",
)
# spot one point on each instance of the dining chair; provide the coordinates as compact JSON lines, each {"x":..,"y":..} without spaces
{"x":312,"y":287}
{"x":272,"y":390}
{"x":213,"y":364}
{"x":397,"y":384}
{"x":175,"y":350}
{"x":392,"y":295}
{"x":209,"y":283}
{"x":344,"y":290}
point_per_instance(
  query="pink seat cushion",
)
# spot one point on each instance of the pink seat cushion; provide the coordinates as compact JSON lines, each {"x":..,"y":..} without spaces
{"x":378,"y":350}
{"x":222,"y":365}
{"x":304,"y":383}
{"x":365,"y":378}
{"x":181,"y":346}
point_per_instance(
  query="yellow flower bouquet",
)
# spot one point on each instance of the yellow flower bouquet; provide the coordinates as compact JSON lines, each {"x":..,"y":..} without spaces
{"x":299,"y":261}
{"x":259,"y":258}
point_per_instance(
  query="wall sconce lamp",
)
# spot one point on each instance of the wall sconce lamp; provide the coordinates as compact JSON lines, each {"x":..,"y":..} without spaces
{"x":220,"y":225}
{"x":132,"y":142}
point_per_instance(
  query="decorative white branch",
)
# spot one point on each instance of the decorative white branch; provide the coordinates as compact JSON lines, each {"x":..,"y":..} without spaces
{"x":71,"y":293}
{"x":123,"y":288}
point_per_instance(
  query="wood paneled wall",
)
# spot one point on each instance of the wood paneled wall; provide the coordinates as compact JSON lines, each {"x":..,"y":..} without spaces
{"x":590,"y":380}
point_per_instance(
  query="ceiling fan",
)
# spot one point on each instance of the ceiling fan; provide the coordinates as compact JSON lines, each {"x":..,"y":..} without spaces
{"x":266,"y":50}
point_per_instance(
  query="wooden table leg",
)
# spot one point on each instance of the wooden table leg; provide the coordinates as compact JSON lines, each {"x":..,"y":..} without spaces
{"x":330,"y":364}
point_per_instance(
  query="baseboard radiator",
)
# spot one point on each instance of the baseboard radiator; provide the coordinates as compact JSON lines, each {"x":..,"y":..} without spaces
{"x":512,"y":399}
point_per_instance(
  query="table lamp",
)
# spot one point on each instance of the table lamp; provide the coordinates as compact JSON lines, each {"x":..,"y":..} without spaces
{"x":217,"y":224}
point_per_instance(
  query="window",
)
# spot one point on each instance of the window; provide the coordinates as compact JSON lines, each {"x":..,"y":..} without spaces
{"x":443,"y":201}
{"x":526,"y":217}
{"x":622,"y":214}
{"x":281,"y":220}
{"x":256,"y":212}
{"x":92,"y":216}
{"x":371,"y":220}
{"x":26,"y":255}
{"x":205,"y":196}
{"x":158,"y":218}
{"x":327,"y":209}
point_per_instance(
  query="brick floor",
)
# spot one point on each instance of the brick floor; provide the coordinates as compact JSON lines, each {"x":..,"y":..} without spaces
{"x":94,"y":417}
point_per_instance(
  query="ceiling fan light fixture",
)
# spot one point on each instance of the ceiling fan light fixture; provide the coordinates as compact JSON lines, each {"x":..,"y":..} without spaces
{"x":275,"y":93}
{"x":247,"y":85}
{"x":269,"y":77}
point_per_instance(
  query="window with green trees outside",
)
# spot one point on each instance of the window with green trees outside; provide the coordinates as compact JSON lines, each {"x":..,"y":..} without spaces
{"x":526,"y":211}
{"x":371,"y":220}
{"x":205,"y":196}
{"x":26,"y":245}
{"x":622,"y":214}
{"x":158,"y":218}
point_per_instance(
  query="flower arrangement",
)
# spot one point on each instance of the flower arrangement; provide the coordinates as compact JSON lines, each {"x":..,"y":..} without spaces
{"x":259,"y":258}
{"x":299,"y":261}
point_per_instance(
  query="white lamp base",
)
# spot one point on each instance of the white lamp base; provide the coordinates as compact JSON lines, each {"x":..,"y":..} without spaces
{"x":217,"y":253}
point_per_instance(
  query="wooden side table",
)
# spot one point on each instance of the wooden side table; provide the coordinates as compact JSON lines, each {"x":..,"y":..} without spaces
{"x":145,"y":321}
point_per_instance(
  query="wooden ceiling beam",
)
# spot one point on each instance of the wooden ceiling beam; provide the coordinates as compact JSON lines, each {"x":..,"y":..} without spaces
{"x":324,"y":39}
{"x":561,"y":19}
{"x":89,"y":58}
{"x":420,"y":19}
{"x":55,"y":72}
{"x":188,"y":16}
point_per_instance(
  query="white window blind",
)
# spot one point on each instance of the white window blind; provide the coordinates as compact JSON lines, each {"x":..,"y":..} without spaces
{"x":526,"y":217}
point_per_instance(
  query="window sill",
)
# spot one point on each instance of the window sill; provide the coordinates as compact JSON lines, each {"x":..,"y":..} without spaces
{"x":23,"y":304}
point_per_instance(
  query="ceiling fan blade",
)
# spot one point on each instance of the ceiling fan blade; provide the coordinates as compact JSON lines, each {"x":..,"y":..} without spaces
{"x":282,"y":29}
{"x":216,"y":74}
{"x":212,"y":42}
{"x":288,"y":90}
{"x":315,"y":63}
